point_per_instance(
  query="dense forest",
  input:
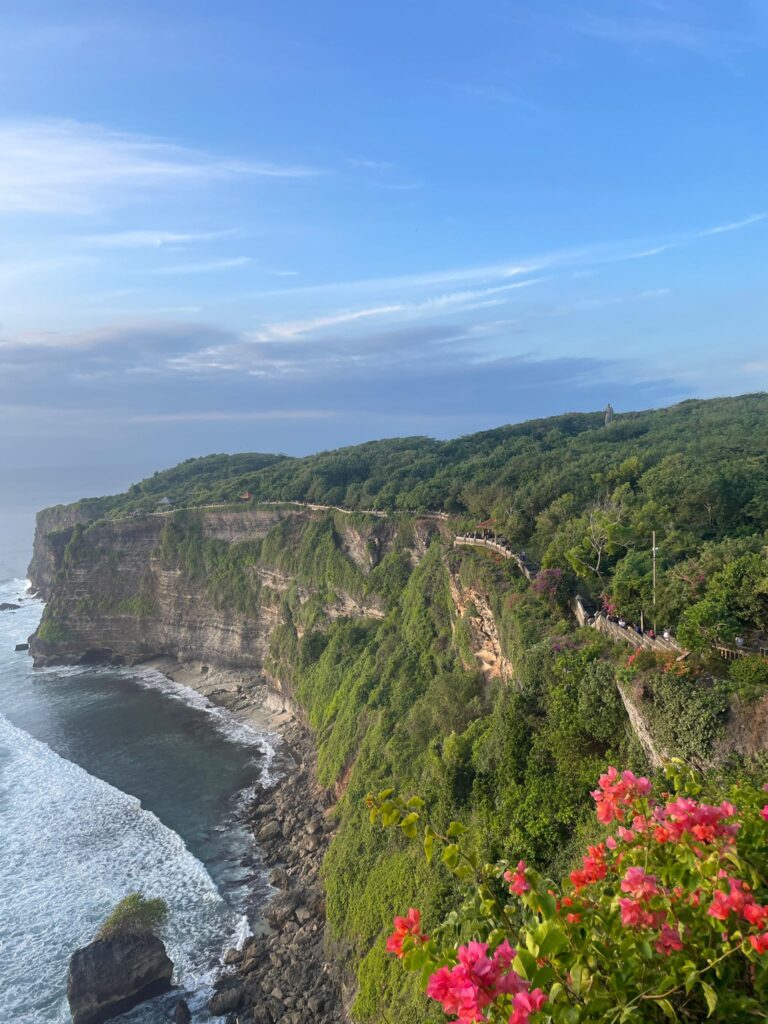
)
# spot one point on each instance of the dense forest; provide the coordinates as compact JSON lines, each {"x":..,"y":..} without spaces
{"x":574,"y":493}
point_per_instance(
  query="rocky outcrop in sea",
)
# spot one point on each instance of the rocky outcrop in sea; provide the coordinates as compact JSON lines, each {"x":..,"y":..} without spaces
{"x":112,"y":975}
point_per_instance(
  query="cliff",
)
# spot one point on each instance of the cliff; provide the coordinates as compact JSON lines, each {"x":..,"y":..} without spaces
{"x":53,"y":530}
{"x":202,"y":586}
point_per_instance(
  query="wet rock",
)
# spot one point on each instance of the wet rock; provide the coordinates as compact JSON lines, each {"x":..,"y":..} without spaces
{"x":112,"y":975}
{"x":270,"y":831}
{"x":182,"y":1014}
{"x":225,"y":1001}
{"x":7,"y":606}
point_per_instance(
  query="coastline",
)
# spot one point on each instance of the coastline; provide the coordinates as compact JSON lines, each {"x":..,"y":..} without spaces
{"x":282,"y":973}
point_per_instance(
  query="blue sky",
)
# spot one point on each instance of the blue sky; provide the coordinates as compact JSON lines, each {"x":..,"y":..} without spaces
{"x":294,"y":225}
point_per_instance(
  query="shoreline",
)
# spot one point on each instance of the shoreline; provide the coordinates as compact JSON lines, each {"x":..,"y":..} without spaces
{"x":282,"y":973}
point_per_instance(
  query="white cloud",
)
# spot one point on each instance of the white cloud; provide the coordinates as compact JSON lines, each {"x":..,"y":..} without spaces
{"x":52,"y":166}
{"x":451,"y":302}
{"x":205,"y":268}
{"x":150,"y":239}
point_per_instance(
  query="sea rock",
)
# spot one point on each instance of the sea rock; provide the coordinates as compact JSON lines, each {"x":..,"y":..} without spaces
{"x":109,"y":976}
{"x":182,"y":1014}
{"x":21,"y":647}
{"x":225,"y":1001}
{"x":6,"y":606}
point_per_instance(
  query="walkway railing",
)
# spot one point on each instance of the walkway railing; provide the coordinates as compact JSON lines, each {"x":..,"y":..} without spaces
{"x":502,"y":547}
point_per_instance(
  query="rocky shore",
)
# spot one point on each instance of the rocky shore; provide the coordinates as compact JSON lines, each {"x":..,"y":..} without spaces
{"x":283,"y":975}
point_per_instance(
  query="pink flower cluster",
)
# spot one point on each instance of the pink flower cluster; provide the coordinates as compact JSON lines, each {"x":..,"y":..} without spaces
{"x":478,"y":980}
{"x":701,"y":821}
{"x":617,"y":793}
{"x":408,"y":927}
{"x":737,"y":900}
{"x":593,"y":868}
{"x":517,"y":881}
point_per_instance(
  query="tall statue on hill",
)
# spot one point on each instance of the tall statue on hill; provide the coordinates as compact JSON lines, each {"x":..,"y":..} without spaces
{"x":608,"y":414}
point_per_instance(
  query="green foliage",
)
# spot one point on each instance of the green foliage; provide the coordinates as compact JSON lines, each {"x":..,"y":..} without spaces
{"x":135,"y":915}
{"x":51,"y":631}
{"x":735,"y":601}
{"x":686,"y":709}
{"x":664,"y":920}
{"x":749,"y":676}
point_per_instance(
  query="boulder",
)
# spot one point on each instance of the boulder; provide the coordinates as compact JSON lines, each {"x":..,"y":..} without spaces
{"x":182,"y":1014}
{"x":21,"y":647}
{"x":225,"y":1001}
{"x":110,"y":976}
{"x":8,"y":607}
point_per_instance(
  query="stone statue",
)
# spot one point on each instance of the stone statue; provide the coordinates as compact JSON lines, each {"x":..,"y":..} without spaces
{"x":608,"y":414}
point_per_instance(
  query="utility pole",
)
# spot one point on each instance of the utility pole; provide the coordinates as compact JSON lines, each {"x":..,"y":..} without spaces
{"x":654,"y":550}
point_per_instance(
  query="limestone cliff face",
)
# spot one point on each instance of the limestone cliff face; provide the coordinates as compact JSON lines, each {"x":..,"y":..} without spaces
{"x":53,"y":529}
{"x":114,"y":596}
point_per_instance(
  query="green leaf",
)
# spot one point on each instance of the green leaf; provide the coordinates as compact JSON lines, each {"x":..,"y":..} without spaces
{"x":690,"y":980}
{"x":415,"y":803}
{"x":456,"y":829}
{"x":667,"y":1008}
{"x":429,"y":847}
{"x":556,"y":991}
{"x":710,"y":995}
{"x":553,"y":942}
{"x":548,"y":905}
{"x":451,"y":856}
{"x":525,"y":964}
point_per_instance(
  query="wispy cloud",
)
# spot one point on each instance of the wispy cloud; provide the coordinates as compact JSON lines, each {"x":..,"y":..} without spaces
{"x":151,"y":239}
{"x":50,"y":166}
{"x":212,"y":267}
{"x":450,"y":302}
{"x":684,"y":26}
{"x":589,"y":255}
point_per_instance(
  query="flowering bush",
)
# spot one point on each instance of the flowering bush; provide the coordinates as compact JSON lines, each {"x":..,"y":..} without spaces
{"x":665,"y":919}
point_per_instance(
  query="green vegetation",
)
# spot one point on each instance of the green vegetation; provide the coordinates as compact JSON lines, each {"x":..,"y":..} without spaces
{"x":53,"y":632}
{"x":135,"y":915}
{"x":391,"y":701}
{"x":575,"y":494}
{"x":397,"y":700}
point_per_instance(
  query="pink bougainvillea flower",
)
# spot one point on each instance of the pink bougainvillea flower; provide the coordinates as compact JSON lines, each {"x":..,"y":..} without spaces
{"x":406,"y":927}
{"x":517,"y":880}
{"x":639,"y":884}
{"x":669,"y":941}
{"x":759,"y":942}
{"x":525,"y":1004}
{"x":764,"y":812}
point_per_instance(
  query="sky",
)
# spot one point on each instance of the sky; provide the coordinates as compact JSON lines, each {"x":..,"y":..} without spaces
{"x":284,"y":225}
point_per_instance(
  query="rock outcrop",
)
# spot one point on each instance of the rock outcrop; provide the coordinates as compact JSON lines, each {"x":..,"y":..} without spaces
{"x":7,"y":606}
{"x":111,"y":975}
{"x":113,"y":596}
{"x":483,"y":631}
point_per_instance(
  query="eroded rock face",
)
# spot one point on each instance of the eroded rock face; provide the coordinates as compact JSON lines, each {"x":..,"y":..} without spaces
{"x":109,"y":976}
{"x":116,"y":598}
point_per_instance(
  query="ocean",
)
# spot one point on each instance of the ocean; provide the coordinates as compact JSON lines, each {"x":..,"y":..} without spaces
{"x":112,"y":781}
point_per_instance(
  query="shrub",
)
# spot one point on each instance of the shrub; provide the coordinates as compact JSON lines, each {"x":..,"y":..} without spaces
{"x":750,"y":676}
{"x":666,"y":918}
{"x":135,"y":915}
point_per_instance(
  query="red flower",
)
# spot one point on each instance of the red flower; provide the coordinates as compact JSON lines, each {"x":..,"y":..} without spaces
{"x":517,"y":881}
{"x":759,"y":942}
{"x":668,"y":941}
{"x":406,"y":927}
